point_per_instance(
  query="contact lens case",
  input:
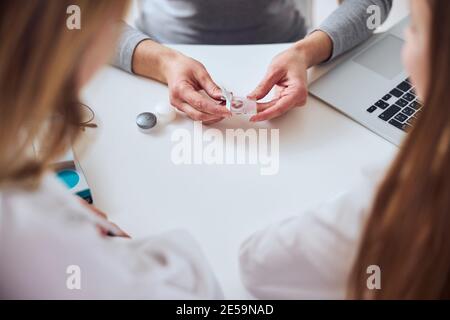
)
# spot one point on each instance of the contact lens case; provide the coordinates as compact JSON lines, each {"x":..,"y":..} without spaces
{"x":238,"y":105}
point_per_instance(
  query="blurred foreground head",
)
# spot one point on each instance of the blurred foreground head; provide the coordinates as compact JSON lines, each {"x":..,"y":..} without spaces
{"x":408,"y":233}
{"x":44,"y":61}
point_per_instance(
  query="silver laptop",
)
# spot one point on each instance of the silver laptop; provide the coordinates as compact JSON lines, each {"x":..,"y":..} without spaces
{"x":371,"y":86}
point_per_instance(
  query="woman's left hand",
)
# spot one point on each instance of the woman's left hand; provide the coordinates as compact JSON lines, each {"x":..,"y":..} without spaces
{"x":288,"y":73}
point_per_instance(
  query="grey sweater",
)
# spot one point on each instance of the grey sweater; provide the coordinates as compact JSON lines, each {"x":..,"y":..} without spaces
{"x":241,"y":22}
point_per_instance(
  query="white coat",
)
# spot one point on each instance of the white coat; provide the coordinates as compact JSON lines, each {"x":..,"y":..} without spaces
{"x":309,"y":256}
{"x":49,"y":247}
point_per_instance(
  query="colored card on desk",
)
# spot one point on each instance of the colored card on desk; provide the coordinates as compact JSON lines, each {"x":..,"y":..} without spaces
{"x":69,"y":171}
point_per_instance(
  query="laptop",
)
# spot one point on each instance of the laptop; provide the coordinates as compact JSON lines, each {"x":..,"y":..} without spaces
{"x":372,"y":87}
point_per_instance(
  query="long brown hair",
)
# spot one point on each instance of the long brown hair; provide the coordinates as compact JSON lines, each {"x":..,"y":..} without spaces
{"x":39,"y":57}
{"x":408,"y":231}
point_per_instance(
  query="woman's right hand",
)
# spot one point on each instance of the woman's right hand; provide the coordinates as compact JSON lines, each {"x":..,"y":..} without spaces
{"x":191,"y":88}
{"x":102,"y":230}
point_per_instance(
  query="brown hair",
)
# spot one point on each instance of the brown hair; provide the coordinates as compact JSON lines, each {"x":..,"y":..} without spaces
{"x":408,"y":231}
{"x":38,"y":74}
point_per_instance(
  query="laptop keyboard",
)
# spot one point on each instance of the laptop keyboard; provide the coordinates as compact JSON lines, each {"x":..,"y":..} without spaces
{"x":400,"y":107}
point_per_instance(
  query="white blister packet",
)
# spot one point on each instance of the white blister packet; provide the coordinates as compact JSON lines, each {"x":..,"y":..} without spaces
{"x":238,"y":105}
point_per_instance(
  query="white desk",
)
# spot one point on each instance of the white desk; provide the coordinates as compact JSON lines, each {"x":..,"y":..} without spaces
{"x":134,"y":180}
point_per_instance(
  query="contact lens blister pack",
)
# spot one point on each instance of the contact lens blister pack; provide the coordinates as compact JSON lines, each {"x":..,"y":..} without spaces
{"x":70,"y":173}
{"x":238,"y":105}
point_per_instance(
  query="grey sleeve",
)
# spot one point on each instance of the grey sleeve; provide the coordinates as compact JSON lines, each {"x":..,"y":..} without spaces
{"x":128,"y":41}
{"x":347,"y":25}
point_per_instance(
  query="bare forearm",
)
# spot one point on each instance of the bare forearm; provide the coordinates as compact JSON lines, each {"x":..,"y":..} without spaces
{"x":149,"y":60}
{"x":315,"y":48}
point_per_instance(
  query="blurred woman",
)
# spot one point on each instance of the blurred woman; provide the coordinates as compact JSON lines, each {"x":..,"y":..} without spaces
{"x":50,"y":246}
{"x":404,"y":234}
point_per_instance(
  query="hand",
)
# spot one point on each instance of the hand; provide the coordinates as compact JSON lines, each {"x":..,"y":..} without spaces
{"x":288,"y":73}
{"x":104,"y":232}
{"x":192,"y":90}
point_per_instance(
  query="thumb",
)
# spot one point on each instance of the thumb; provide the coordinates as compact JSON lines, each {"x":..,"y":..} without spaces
{"x":264,"y":87}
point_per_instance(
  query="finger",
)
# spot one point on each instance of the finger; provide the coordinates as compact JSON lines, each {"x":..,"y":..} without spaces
{"x":197,"y":115}
{"x":265,"y":105}
{"x":287,"y":98}
{"x":93,"y":209}
{"x":210,"y":87}
{"x":103,"y":232}
{"x":107,"y":233}
{"x":204,"y":103}
{"x":120,"y":232}
{"x":98,"y":212}
{"x":283,"y":105}
{"x":265,"y":85}
{"x":207,"y":123}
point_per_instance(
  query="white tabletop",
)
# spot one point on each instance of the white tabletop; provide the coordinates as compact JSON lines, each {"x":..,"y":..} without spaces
{"x":134,"y":180}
